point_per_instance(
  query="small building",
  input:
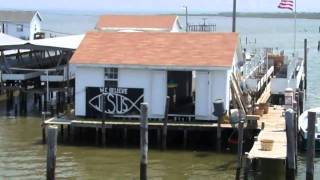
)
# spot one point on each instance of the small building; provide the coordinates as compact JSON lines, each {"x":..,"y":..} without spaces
{"x":115,"y":72}
{"x":140,"y":23}
{"x":21,"y":24}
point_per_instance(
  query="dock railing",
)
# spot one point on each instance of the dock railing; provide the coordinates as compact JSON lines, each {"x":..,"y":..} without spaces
{"x":202,"y":27}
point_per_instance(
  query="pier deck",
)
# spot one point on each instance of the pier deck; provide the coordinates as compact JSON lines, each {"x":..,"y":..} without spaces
{"x":133,"y":124}
{"x":275,"y":130}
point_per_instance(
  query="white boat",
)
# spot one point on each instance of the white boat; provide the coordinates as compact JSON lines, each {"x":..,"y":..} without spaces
{"x":303,"y":126}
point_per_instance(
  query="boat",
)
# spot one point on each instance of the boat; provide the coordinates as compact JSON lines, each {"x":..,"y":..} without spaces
{"x":303,"y":125}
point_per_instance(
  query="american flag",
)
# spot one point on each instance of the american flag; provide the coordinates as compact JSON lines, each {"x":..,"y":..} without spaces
{"x":286,"y":4}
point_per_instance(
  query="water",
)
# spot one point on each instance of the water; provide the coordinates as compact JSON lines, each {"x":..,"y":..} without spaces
{"x":22,"y":156}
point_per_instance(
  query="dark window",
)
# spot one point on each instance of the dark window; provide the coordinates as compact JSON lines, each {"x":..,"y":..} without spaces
{"x":111,"y":83}
{"x":111,"y":77}
{"x":19,"y":28}
{"x":111,"y":73}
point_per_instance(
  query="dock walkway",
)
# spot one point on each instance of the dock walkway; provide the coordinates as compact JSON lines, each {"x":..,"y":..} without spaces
{"x":274,"y":129}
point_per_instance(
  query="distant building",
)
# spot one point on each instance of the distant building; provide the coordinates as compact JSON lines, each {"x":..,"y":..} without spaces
{"x":116,"y":71}
{"x":139,"y":23}
{"x":21,"y":24}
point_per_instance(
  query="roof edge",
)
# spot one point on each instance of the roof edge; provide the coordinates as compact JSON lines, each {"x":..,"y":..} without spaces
{"x":155,"y":67}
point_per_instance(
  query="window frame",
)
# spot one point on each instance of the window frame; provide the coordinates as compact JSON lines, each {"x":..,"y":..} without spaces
{"x":19,"y":27}
{"x":111,"y":77}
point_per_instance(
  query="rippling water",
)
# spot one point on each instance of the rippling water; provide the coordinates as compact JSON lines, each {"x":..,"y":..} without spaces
{"x":22,"y":156}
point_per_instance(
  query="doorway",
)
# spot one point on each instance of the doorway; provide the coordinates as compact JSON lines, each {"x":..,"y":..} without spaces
{"x":181,"y":92}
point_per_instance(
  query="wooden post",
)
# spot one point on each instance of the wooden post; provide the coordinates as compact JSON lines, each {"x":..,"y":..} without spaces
{"x":103,"y":132}
{"x":234,"y":15}
{"x":97,"y":136}
{"x":125,"y":136}
{"x":185,"y":138}
{"x":158,"y":137}
{"x":43,"y":126}
{"x":305,"y":65}
{"x":165,"y":124}
{"x":143,"y":141}
{"x":68,"y":129}
{"x":218,"y":145}
{"x":247,"y":168}
{"x":310,"y":145}
{"x":290,"y":131}
{"x":61,"y":132}
{"x":51,"y":152}
{"x":73,"y":133}
{"x":240,"y":141}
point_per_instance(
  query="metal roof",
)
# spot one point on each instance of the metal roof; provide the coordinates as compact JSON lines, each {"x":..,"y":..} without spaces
{"x":18,"y":16}
{"x":8,"y":42}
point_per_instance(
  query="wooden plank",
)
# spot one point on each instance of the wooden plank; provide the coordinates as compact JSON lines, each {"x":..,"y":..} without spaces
{"x":265,"y":95}
{"x":274,"y":129}
{"x":237,"y":93}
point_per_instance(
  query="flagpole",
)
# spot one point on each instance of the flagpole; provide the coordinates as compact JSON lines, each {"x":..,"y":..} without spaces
{"x":295,"y":38}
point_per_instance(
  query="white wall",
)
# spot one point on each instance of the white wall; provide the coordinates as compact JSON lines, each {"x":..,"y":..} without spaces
{"x":158,"y":93}
{"x":154,"y":84}
{"x":209,"y":87}
{"x":176,"y":27}
{"x":29,"y":28}
{"x":86,"y":76}
{"x":202,"y":106}
{"x":35,"y":26}
{"x":11,"y":29}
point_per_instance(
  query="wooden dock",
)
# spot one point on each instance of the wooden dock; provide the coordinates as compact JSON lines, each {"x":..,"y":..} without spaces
{"x":132,"y":123}
{"x":274,"y":129}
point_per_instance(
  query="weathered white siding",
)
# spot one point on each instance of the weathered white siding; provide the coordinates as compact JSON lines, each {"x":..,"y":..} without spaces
{"x":11,"y":29}
{"x":202,"y":106}
{"x":29,"y":28}
{"x":176,"y":27}
{"x":220,"y":87}
{"x":35,"y":26}
{"x":211,"y":85}
{"x":86,"y":77}
{"x":153,"y":83}
{"x":158,"y":93}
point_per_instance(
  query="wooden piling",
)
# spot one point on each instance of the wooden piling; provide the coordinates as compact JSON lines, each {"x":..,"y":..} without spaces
{"x":218,"y":144}
{"x":305,"y":65}
{"x":247,"y":168}
{"x":165,"y":124}
{"x":43,"y":126}
{"x":103,"y":134}
{"x":125,"y":136}
{"x":143,"y":141}
{"x":159,"y":137}
{"x":310,"y":146}
{"x":68,"y":132}
{"x":51,"y":152}
{"x":185,"y":138}
{"x":61,"y":132}
{"x":97,"y":136}
{"x":290,"y":131}
{"x":240,"y":141}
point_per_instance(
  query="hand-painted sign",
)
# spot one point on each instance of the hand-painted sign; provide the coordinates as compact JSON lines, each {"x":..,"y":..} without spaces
{"x":113,"y":100}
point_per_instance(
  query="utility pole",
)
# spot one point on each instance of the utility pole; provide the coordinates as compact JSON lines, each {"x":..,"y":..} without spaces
{"x":234,"y":15}
{"x":186,"y":8}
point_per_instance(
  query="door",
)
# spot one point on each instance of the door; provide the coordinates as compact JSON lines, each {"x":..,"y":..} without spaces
{"x":202,"y":109}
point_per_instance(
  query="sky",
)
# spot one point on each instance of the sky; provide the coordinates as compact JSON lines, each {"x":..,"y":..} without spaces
{"x":197,"y":6}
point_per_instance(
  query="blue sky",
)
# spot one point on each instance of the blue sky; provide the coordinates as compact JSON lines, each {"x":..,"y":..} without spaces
{"x":157,"y":5}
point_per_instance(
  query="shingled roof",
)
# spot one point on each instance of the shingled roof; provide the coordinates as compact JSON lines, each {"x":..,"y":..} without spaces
{"x":17,"y":16}
{"x":157,"y":49}
{"x":136,"y":21}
